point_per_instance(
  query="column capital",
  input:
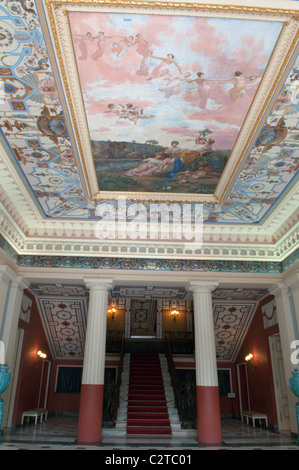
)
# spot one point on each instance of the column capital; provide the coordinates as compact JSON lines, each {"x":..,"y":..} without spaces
{"x":202,"y":286}
{"x":279,"y":289}
{"x":6,"y":273}
{"x":20,"y":283}
{"x":99,"y":284}
{"x":293,"y":281}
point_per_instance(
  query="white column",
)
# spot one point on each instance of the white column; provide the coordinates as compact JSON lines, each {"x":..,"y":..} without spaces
{"x":92,"y":388}
{"x":208,"y":404}
{"x":287,"y":336}
{"x":293,"y":283}
{"x":9,"y":336}
{"x":205,"y":349}
{"x":11,"y":317}
{"x":95,"y":342}
{"x":6,"y":276}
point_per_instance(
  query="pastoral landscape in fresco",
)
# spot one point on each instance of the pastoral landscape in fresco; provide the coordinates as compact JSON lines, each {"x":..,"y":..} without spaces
{"x":166,"y":96}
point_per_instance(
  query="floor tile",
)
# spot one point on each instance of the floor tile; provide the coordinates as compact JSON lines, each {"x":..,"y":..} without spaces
{"x":60,"y":433}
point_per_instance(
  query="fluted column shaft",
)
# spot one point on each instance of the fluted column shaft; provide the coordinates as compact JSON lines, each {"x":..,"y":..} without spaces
{"x":293,"y":283}
{"x":11,"y":295}
{"x":288,"y":332}
{"x":6,"y":276}
{"x":208,"y":407}
{"x":92,"y":388}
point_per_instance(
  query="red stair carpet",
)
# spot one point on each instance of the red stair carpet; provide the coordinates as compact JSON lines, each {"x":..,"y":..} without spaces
{"x":147,"y":408}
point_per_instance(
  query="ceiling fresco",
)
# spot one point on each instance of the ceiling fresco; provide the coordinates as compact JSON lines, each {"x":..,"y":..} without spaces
{"x":38,"y":129}
{"x":166,"y":96}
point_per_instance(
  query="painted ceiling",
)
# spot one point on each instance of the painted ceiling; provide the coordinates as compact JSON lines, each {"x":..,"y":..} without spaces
{"x":147,"y":102}
{"x":164,"y":108}
{"x":63,"y":310}
{"x":143,"y":96}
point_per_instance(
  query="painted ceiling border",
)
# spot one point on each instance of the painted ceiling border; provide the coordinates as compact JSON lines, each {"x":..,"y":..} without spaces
{"x":148,"y":264}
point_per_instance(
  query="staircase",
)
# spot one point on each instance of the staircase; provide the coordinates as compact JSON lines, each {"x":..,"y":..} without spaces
{"x":147,"y":411}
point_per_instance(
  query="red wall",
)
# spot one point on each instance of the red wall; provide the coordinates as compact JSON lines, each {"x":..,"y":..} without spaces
{"x":62,"y":402}
{"x":260,"y":378}
{"x":228,"y":406}
{"x":67,"y":402}
{"x":29,"y":379}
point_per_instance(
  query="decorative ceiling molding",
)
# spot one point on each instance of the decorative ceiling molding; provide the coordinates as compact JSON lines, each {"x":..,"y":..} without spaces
{"x":222,"y":245}
{"x":269,"y":234}
{"x":60,"y":289}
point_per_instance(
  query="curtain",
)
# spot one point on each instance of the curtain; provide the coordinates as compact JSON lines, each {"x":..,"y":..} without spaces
{"x":69,"y":380}
{"x":224,"y":382}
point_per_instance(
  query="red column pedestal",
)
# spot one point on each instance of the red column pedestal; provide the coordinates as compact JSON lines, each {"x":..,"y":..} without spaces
{"x":208,"y":415}
{"x":90,"y":414}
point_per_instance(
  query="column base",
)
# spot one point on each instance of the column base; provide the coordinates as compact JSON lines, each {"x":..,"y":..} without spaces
{"x":208,"y":416}
{"x":90,"y":414}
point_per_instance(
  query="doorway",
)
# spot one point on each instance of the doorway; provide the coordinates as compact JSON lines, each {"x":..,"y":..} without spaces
{"x":244,"y":400}
{"x":44,"y":384}
{"x":281,"y":397}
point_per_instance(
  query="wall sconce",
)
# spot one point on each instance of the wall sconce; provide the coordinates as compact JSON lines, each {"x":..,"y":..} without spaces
{"x":39,"y":357}
{"x":111,"y":311}
{"x":175,"y":314}
{"x":249,"y":359}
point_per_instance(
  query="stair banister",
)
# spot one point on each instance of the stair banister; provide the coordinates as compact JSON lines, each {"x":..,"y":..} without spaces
{"x":173,"y":376}
{"x":118,"y":382}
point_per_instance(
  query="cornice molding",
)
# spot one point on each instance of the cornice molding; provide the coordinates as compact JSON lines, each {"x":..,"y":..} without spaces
{"x":219,"y":247}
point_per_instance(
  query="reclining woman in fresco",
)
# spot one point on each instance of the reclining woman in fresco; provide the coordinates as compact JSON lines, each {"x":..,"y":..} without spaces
{"x":151,"y":165}
{"x":174,"y":157}
{"x":156,"y":163}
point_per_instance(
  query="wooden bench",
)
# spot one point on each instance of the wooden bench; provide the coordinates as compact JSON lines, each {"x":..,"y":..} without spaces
{"x":253,"y":415}
{"x":35,"y":413}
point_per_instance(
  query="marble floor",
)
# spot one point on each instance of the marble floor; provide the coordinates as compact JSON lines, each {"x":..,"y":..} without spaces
{"x":59,"y":433}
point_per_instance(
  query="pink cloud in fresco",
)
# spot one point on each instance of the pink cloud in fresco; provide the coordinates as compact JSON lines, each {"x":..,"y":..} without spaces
{"x":223,"y":137}
{"x":118,"y":64}
{"x":102,"y":106}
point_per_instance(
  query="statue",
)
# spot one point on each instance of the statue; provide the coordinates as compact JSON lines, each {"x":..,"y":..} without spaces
{"x":4,"y":383}
{"x":294,"y":382}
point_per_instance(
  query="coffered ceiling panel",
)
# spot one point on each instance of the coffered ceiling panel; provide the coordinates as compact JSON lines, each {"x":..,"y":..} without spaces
{"x":63,"y":310}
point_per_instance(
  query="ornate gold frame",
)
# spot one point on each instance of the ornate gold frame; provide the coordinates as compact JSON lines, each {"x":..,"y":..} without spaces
{"x":57,"y":13}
